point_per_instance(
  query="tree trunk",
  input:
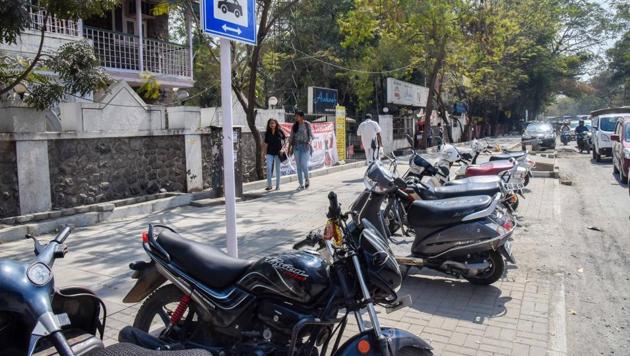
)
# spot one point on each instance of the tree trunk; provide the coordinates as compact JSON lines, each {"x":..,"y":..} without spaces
{"x":437,"y":67}
{"x":250,"y":111}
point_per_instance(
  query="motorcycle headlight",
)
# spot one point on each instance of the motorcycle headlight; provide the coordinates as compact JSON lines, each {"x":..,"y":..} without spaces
{"x":39,"y":274}
{"x":626,"y":153}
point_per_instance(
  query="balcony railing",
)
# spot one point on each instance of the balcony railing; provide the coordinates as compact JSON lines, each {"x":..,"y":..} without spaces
{"x":120,"y":51}
{"x":53,"y":25}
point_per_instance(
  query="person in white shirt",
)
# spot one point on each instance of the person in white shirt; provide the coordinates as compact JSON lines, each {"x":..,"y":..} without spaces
{"x":370,"y":131}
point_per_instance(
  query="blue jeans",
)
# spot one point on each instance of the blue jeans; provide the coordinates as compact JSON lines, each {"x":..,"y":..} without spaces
{"x":302,"y":157}
{"x":271,"y":159}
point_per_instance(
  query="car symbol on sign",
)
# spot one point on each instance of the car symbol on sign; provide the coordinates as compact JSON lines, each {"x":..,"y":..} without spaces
{"x":231,"y":6}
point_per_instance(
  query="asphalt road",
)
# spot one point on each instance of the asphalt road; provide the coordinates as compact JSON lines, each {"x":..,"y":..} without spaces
{"x":589,"y":245}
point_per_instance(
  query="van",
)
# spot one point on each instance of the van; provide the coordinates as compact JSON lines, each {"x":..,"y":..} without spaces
{"x":603,"y":124}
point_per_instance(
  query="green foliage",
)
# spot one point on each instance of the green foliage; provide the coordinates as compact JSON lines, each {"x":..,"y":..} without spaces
{"x":78,"y":68}
{"x":150,"y":88}
{"x":14,"y":18}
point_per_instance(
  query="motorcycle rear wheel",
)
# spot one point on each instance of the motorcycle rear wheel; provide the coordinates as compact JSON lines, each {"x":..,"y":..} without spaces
{"x":493,"y":274}
{"x":160,"y":305}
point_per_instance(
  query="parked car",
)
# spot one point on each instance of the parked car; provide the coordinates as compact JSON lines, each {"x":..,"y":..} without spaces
{"x":232,"y":6}
{"x":539,"y":134}
{"x":621,"y":148}
{"x":603,"y":125}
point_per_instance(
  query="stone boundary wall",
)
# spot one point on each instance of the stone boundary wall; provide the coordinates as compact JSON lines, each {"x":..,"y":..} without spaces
{"x":9,"y":191}
{"x":47,"y":171}
{"x":89,"y":171}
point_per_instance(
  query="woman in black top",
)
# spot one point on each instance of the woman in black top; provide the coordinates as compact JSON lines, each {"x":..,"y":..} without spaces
{"x":274,"y":140}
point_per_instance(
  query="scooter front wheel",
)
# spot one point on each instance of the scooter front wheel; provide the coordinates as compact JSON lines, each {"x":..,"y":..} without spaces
{"x":493,"y":273}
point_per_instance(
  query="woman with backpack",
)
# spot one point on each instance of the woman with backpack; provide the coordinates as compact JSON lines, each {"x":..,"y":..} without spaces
{"x":300,"y":145}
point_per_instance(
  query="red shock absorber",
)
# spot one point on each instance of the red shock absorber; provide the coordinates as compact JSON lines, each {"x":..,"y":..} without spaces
{"x":181,"y":308}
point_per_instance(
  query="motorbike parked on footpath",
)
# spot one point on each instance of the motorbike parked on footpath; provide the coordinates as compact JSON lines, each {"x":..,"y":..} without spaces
{"x":294,"y":303}
{"x":38,"y":318}
{"x":465,"y":237}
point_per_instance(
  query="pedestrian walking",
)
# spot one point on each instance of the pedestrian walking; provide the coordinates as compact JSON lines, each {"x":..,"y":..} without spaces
{"x":272,"y":146}
{"x":370,"y":132}
{"x":440,"y":135}
{"x":300,"y":147}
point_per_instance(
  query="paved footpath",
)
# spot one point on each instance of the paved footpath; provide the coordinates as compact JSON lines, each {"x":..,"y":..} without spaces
{"x":523,"y":314}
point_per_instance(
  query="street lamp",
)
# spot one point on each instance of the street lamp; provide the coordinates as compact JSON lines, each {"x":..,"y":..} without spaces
{"x":20,"y":89}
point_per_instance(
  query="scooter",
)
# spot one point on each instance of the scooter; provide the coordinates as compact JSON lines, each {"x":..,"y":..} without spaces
{"x":282,"y":304}
{"x":565,"y":137}
{"x":464,"y":236}
{"x":36,"y":317}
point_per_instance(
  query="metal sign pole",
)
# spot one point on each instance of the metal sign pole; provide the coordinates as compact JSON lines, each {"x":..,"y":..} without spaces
{"x":228,"y":148}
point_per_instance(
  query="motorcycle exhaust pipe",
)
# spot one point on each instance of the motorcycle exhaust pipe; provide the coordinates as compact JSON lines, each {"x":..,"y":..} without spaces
{"x":466,"y":269}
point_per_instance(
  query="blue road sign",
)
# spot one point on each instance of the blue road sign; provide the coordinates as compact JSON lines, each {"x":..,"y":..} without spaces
{"x":232,"y":19}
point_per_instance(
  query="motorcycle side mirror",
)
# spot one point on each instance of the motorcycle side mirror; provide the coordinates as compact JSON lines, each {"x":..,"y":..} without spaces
{"x":37,"y":246}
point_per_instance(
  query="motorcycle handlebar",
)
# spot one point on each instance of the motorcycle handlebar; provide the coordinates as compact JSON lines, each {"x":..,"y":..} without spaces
{"x":63,"y":235}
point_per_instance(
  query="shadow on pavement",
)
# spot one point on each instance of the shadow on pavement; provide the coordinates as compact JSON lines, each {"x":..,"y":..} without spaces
{"x":455,"y":299}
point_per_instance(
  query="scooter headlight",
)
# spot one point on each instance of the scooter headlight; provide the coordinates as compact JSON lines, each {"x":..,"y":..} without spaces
{"x":39,"y":274}
{"x":626,"y":153}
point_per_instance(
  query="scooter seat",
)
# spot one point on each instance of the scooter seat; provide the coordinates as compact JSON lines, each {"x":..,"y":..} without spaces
{"x":205,"y":263}
{"x":435,"y":213}
{"x":507,"y":156}
{"x":460,"y":190}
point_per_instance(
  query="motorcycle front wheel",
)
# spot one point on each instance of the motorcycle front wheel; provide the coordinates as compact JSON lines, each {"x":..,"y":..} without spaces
{"x":493,"y":273}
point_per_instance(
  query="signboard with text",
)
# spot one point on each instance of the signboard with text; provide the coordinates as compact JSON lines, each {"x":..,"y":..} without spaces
{"x":322,"y":101}
{"x":404,"y":93}
{"x":232,"y":19}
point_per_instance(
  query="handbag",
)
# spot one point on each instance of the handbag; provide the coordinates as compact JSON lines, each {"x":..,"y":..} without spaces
{"x":282,"y":155}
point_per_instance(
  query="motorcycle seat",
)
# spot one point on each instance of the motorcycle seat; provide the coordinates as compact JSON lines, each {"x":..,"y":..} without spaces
{"x":435,"y":213}
{"x":489,"y":168}
{"x":459,"y":190}
{"x":507,"y":156}
{"x":205,"y":263}
{"x":477,"y":179}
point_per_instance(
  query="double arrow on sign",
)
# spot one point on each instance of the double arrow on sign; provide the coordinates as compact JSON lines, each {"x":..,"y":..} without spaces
{"x":226,"y":28}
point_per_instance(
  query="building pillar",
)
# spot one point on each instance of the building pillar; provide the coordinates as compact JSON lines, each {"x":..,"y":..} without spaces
{"x":386,"y":122}
{"x":140,"y":35}
{"x":194,"y":171}
{"x":33,"y":176}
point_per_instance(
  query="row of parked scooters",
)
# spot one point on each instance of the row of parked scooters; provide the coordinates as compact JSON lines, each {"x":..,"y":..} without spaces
{"x":199,"y":301}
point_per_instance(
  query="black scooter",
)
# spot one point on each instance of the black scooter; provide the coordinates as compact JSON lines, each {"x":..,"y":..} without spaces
{"x":36,"y":317}
{"x":465,"y":236}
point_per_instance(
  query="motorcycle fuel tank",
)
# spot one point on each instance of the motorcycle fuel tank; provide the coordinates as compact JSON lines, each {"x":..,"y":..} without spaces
{"x":299,"y":276}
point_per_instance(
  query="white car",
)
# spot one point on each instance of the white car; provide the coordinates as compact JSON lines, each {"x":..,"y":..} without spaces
{"x":602,"y":126}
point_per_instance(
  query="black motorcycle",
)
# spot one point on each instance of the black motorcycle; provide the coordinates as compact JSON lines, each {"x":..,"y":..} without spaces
{"x":465,"y":236}
{"x":36,"y":317}
{"x":283,"y":304}
{"x":584,"y":142}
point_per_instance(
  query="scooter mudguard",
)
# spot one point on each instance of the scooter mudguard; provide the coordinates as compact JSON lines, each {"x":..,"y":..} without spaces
{"x":397,"y":340}
{"x":148,"y":280}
